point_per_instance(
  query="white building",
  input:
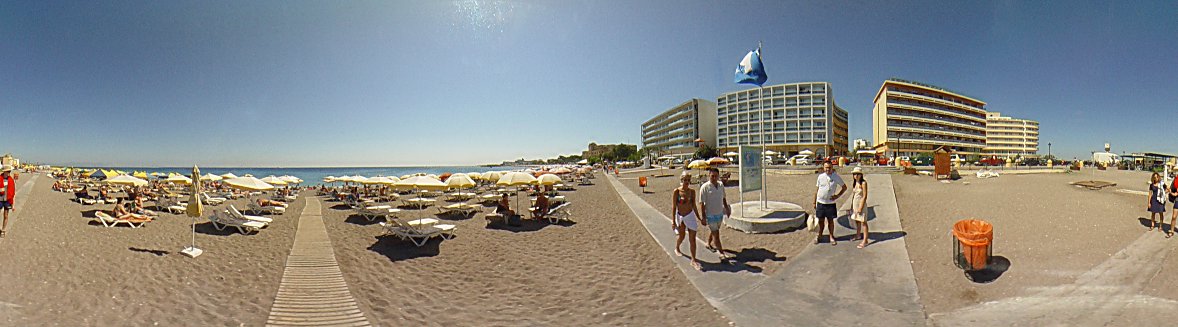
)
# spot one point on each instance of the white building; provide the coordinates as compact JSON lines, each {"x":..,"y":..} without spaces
{"x":675,"y":132}
{"x":1009,"y":137}
{"x":786,"y":118}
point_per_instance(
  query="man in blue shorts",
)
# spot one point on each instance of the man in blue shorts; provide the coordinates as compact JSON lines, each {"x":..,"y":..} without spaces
{"x":824,"y":200}
{"x":715,"y":206}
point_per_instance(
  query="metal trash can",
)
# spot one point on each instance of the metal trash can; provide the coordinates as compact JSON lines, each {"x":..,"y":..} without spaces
{"x":973,"y":244}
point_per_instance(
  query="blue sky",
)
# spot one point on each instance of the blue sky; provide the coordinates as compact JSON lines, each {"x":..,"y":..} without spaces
{"x":272,"y":83}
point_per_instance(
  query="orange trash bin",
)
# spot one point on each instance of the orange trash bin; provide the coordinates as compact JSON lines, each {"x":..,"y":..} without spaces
{"x":973,"y":247}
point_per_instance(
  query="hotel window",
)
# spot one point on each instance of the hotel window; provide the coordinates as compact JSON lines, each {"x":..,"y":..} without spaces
{"x":805,"y":138}
{"x":819,"y":101}
{"x":819,"y":137}
{"x":791,"y":102}
{"x":778,"y":103}
{"x":804,"y":101}
{"x":778,"y":114}
{"x":804,"y":89}
{"x":819,"y":112}
{"x":791,"y":113}
{"x":804,"y":113}
{"x":805,"y":124}
{"x":791,"y":90}
{"x":819,"y":124}
{"x":742,"y":97}
{"x":791,"y":125}
{"x":819,"y":88}
{"x":778,"y":91}
{"x":791,"y":137}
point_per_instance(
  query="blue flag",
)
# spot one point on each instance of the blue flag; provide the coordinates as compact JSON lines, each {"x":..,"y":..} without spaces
{"x":750,"y":70}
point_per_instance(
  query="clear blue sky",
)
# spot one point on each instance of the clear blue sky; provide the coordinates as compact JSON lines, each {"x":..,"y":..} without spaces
{"x":299,"y":83}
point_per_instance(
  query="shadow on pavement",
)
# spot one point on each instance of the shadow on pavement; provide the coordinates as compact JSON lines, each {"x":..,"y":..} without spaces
{"x":998,"y":265}
{"x":1145,"y":222}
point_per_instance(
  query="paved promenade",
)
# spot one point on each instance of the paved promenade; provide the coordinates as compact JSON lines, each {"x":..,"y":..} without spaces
{"x":824,"y":285}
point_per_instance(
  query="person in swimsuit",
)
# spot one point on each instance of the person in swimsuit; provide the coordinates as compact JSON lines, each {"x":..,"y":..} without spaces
{"x":686,"y":215}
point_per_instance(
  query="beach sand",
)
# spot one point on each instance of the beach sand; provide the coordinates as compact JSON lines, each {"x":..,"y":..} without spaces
{"x":1049,"y":232}
{"x":766,"y":251}
{"x":604,"y":270}
{"x":56,"y":269}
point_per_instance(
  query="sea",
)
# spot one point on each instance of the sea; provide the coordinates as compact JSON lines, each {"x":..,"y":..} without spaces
{"x":314,"y":176}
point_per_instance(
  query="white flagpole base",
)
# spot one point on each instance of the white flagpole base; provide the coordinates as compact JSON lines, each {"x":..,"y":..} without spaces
{"x":192,"y":252}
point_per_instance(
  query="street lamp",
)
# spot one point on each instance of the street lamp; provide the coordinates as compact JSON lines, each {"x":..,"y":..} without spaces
{"x":1049,"y":148}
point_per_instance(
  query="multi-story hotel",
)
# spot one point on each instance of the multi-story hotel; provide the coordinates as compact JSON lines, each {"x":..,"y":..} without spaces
{"x":675,"y":132}
{"x":786,"y":118}
{"x":1009,"y":137}
{"x":911,"y":117}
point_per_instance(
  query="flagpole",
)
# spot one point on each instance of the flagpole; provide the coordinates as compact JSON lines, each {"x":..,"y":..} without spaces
{"x":761,"y":90}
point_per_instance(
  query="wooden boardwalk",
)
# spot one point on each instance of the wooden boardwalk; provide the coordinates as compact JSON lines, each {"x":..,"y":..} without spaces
{"x":313,"y":291}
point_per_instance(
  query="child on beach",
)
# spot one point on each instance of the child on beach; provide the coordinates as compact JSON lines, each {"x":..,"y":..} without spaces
{"x":686,"y":215}
{"x":1156,"y":204}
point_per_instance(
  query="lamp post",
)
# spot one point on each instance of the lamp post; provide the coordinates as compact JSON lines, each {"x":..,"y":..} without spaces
{"x":1049,"y":148}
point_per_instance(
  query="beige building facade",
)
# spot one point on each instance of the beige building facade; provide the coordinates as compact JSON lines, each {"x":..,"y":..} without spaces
{"x":1010,"y":137}
{"x":910,"y":118}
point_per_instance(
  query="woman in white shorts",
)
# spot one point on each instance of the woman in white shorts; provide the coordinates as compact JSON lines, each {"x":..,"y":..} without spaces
{"x":686,"y":215}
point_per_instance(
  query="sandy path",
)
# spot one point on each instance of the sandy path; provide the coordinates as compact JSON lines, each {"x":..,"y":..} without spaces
{"x":601,"y":271}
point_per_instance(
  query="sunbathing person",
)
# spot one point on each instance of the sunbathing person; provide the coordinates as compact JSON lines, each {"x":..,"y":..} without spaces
{"x":121,"y":212}
{"x":270,"y":203}
{"x":542,"y":206}
{"x":137,"y":207}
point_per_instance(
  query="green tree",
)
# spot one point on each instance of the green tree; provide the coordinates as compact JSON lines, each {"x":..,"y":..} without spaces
{"x":1049,"y":157}
{"x":705,"y":152}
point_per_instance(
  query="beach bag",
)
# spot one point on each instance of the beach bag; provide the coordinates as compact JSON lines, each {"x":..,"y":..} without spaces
{"x":812,"y":223}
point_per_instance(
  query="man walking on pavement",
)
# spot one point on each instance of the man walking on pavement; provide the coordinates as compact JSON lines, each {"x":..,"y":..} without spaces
{"x":715,"y":206}
{"x":7,"y":193}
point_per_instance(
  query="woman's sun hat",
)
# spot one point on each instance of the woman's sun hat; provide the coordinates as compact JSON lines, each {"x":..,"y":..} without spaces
{"x":857,"y":170}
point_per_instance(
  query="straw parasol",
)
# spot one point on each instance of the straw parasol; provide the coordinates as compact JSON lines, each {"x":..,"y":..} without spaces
{"x":126,"y":180}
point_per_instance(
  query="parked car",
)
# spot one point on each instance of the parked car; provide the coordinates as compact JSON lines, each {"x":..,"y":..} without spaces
{"x":922,"y":161}
{"x":801,"y":159}
{"x":1032,"y":162}
{"x":956,"y":158}
{"x":992,"y":161}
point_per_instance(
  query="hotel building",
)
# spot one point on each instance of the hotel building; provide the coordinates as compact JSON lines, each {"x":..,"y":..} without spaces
{"x":786,"y":118}
{"x":675,"y":132}
{"x":912,"y":117}
{"x":1008,"y":137}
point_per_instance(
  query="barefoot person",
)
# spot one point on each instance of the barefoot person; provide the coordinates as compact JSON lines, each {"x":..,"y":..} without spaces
{"x":7,"y":195}
{"x":858,"y":203}
{"x":686,"y":215}
{"x":824,"y":199}
{"x":1157,"y":202}
{"x":715,"y":206}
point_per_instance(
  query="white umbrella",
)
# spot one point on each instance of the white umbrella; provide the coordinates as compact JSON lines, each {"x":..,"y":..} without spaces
{"x":731,"y":154}
{"x":273,"y":180}
{"x":382,"y":180}
{"x":806,"y":152}
{"x":771,"y":153}
{"x":492,"y":176}
{"x":459,"y":181}
{"x":178,"y":179}
{"x":357,"y":179}
{"x":516,"y":178}
{"x":548,"y":179}
{"x":248,"y":183}
{"x":421,"y":183}
{"x":210,"y":177}
{"x":474,"y":175}
{"x":583,"y":162}
{"x":126,"y":180}
{"x":228,"y":176}
{"x":290,"y":179}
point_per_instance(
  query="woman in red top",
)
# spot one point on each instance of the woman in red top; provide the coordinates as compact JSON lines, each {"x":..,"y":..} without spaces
{"x":7,"y":193}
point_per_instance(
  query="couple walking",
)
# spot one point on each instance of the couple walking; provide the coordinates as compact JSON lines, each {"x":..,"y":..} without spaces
{"x":712,"y":203}
{"x":1159,"y":192}
{"x":826,"y":208}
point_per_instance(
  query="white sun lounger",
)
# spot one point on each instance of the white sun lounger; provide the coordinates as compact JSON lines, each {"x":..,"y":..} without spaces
{"x":253,"y":206}
{"x":212,"y":200}
{"x":373,"y":212}
{"x":561,"y":212}
{"x":418,"y":235}
{"x":233,"y":212}
{"x":221,"y":221}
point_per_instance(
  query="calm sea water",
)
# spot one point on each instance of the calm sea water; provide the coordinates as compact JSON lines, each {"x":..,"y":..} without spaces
{"x":314,"y":176}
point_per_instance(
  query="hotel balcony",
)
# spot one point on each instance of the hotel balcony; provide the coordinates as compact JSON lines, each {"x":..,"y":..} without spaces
{"x":925,"y":98}
{"x":909,"y":117}
{"x":928,"y":130}
{"x":935,"y":111}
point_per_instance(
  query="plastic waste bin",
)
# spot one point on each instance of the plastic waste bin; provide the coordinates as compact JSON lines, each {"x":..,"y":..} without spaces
{"x":972,"y":246}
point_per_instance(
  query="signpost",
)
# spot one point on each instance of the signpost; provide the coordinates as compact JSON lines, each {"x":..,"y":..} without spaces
{"x":751,"y":173}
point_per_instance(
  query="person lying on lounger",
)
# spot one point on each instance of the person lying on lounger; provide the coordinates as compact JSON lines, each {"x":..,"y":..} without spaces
{"x":270,"y":203}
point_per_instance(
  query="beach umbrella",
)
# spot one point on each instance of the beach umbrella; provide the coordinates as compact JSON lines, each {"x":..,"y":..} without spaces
{"x":731,"y":154}
{"x":248,"y":183}
{"x":460,"y":181}
{"x":583,"y":162}
{"x":445,"y":176}
{"x":158,"y":174}
{"x":228,"y":176}
{"x":380,"y":180}
{"x":548,"y":179}
{"x":126,"y":180}
{"x":492,"y":176}
{"x":290,"y":179}
{"x":97,"y":174}
{"x":210,"y":178}
{"x":273,"y":180}
{"x":421,"y":183}
{"x":698,"y":164}
{"x":140,"y":174}
{"x":329,"y":179}
{"x":717,"y":161}
{"x":474,"y":175}
{"x":807,"y":152}
{"x":178,"y":179}
{"x":516,"y":178}
{"x":195,"y":210}
{"x":561,"y":171}
{"x":771,"y":153}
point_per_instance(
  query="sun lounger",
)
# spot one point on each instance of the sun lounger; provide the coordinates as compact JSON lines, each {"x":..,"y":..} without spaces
{"x":109,"y":221}
{"x":233,"y":212}
{"x":561,"y":212}
{"x":83,"y":198}
{"x":419,"y":235}
{"x":212,"y":200}
{"x":223,"y":220}
{"x":372,"y":212}
{"x":253,"y":206}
